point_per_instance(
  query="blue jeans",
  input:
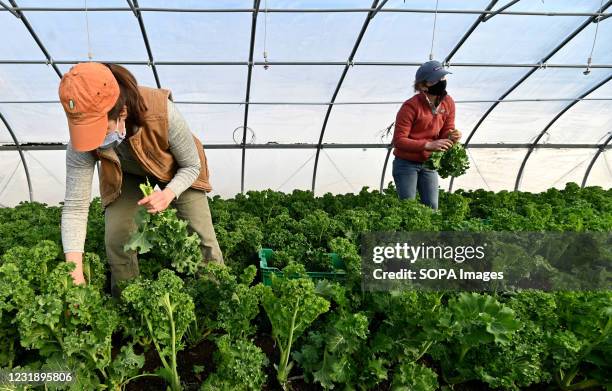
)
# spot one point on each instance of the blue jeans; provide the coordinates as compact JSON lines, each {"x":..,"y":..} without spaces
{"x":411,"y":176}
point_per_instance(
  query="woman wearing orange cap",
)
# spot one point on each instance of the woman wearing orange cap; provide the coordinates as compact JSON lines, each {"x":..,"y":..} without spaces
{"x":134,"y":132}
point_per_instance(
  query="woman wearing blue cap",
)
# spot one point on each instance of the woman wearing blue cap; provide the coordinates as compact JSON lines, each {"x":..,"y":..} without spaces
{"x":424,"y":124}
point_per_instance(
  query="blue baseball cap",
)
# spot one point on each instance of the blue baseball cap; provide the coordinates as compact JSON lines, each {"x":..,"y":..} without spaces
{"x":431,"y":71}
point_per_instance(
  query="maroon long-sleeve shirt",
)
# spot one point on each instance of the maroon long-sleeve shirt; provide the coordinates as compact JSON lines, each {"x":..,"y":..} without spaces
{"x":415,"y":125}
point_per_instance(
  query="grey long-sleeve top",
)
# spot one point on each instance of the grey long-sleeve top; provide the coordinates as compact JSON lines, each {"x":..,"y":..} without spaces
{"x":80,"y":169}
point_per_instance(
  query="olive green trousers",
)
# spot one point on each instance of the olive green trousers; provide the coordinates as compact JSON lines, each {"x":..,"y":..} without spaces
{"x":191,"y":205}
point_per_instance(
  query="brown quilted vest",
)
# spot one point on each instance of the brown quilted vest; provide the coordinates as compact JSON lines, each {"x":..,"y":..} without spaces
{"x":150,"y":148}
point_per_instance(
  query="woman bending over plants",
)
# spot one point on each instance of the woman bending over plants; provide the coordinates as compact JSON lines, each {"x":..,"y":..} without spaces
{"x":133,"y":132}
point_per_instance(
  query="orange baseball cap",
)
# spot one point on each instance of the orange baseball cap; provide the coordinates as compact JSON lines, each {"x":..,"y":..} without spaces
{"x":88,"y":91}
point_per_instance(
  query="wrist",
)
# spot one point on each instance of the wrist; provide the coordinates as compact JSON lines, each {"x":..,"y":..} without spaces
{"x":75,"y":257}
{"x":169,"y":193}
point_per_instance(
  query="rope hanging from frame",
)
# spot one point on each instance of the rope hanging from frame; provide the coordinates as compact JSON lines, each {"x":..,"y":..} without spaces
{"x":89,"y":51}
{"x":590,"y":59}
{"x":433,"y":33}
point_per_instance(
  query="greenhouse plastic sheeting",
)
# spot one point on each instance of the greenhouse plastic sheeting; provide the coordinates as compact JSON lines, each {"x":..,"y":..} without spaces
{"x":282,"y":170}
{"x":543,"y":172}
{"x":601,"y":173}
{"x":491,"y":169}
{"x":13,"y":183}
{"x":203,"y":58}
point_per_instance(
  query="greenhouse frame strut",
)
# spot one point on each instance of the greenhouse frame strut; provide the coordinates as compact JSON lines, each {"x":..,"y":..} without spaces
{"x":539,"y":65}
{"x":602,"y":148}
{"x":134,"y":6}
{"x":19,"y":149}
{"x":364,"y":27}
{"x":307,"y":10}
{"x":256,"y":4}
{"x":62,"y":146}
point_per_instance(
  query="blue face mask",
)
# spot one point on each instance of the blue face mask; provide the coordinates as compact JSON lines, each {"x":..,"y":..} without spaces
{"x":113,"y":139}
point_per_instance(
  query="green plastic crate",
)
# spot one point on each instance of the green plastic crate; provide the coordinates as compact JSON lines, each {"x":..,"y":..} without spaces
{"x":266,"y":254}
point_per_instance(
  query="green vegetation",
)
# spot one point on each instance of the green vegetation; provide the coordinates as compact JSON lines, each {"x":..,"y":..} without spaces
{"x":221,"y":329}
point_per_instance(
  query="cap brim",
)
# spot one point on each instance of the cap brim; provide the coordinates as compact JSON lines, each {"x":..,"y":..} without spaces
{"x":437,"y":75}
{"x":89,"y":136}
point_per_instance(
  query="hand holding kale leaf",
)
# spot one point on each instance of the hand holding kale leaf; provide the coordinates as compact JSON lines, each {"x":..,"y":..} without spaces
{"x":453,"y":162}
{"x":167,"y":235}
{"x":157,"y":201}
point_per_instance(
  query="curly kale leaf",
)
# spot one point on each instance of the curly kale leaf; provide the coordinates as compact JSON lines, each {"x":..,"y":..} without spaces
{"x":470,"y":321}
{"x":411,"y":376}
{"x":224,"y":302}
{"x":291,"y":305}
{"x":329,"y":357}
{"x":60,"y":319}
{"x":239,"y":366}
{"x":166,"y":311}
{"x":452,"y":162}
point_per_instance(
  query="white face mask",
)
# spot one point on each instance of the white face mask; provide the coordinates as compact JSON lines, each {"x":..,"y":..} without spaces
{"x":113,"y":139}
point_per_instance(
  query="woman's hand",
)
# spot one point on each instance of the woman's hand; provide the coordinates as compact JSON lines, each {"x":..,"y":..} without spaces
{"x":77,"y":277}
{"x":77,"y":273}
{"x":157,"y":201}
{"x":455,"y":135}
{"x":438,"y":145}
